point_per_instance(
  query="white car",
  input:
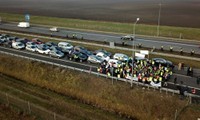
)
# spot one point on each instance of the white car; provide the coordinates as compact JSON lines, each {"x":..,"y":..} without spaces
{"x":114,"y":63}
{"x":120,"y":56}
{"x":18,"y":45}
{"x":128,"y":37}
{"x":66,"y":47}
{"x":24,"y":25}
{"x":94,"y":59}
{"x":42,"y":50}
{"x":103,"y":56}
{"x":31,"y":48}
{"x":54,"y":29}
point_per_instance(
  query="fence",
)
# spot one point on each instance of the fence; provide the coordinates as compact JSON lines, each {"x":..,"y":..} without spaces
{"x":29,"y":108}
{"x":166,"y":90}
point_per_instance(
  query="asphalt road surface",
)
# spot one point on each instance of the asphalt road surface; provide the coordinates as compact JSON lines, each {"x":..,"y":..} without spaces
{"x":188,"y":82}
{"x":96,"y":36}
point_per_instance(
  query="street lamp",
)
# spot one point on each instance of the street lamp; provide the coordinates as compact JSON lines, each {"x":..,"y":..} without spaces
{"x":133,"y":49}
{"x":158,"y":27}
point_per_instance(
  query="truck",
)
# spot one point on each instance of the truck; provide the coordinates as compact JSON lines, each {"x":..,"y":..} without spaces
{"x":24,"y":24}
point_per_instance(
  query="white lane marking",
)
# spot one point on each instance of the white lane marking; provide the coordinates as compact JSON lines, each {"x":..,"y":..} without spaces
{"x":137,"y":40}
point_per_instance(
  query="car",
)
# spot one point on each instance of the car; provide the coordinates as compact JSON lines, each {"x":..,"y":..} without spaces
{"x":18,"y":45}
{"x":104,"y":51}
{"x":114,"y":63}
{"x":7,"y":43}
{"x":54,"y":29}
{"x":37,"y":41}
{"x":163,"y":62}
{"x":83,"y":50}
{"x":56,"y":53}
{"x":94,"y":59}
{"x":103,"y":56}
{"x":120,"y":56}
{"x":51,"y":44}
{"x":42,"y":46}
{"x":55,"y":48}
{"x":77,"y":56}
{"x":42,"y":50}
{"x":66,"y":47}
{"x":31,"y":44}
{"x":24,"y":24}
{"x":128,"y":37}
{"x":23,"y":40}
{"x":31,"y":48}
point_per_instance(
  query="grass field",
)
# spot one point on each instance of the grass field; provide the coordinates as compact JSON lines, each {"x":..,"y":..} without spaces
{"x":124,"y":28}
{"x":136,"y":103}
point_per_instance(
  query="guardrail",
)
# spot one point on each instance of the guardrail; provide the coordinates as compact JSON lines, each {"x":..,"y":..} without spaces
{"x":101,"y":45}
{"x":161,"y":89}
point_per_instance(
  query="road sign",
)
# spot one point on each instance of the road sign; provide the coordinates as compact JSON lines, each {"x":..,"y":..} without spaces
{"x":27,"y":17}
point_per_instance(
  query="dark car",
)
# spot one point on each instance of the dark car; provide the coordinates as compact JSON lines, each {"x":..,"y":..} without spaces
{"x":77,"y":56}
{"x":50,"y":44}
{"x":7,"y":43}
{"x":83,"y":50}
{"x":163,"y":62}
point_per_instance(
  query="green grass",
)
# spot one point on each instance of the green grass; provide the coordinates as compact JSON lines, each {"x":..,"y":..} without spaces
{"x":125,"y":28}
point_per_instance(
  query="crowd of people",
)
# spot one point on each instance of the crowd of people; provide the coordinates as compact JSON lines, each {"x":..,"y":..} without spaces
{"x":145,"y":71}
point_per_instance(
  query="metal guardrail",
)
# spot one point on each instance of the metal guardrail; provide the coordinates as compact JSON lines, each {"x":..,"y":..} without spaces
{"x":103,"y":75}
{"x":101,"y":45}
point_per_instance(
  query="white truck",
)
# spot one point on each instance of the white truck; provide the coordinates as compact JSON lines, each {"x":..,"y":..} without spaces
{"x":24,"y":24}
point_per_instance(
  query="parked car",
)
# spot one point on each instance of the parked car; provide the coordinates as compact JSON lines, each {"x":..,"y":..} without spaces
{"x":18,"y":45}
{"x":120,"y":56}
{"x":37,"y":41}
{"x":114,"y":63}
{"x":77,"y":56}
{"x":23,"y":40}
{"x":42,"y":50}
{"x":163,"y":62}
{"x":7,"y":43}
{"x":31,"y":44}
{"x":51,"y":44}
{"x":83,"y":50}
{"x":31,"y":48}
{"x":128,"y":37}
{"x":66,"y":47}
{"x":42,"y":46}
{"x":94,"y":59}
{"x":56,"y":53}
{"x":104,"y":51}
{"x":103,"y":56}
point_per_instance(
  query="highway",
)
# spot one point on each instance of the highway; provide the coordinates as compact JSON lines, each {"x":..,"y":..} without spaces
{"x":97,"y":36}
{"x":187,"y":81}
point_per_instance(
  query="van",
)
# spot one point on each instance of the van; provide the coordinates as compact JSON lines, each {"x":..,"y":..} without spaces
{"x":24,"y":25}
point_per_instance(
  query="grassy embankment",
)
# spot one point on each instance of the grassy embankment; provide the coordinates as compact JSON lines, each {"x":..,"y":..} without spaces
{"x":118,"y":98}
{"x":7,"y":113}
{"x":151,"y":30}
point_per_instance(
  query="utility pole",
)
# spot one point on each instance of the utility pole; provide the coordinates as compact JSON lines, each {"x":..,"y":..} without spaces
{"x":158,"y":27}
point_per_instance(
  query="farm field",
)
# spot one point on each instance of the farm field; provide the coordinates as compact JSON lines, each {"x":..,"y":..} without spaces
{"x":182,"y":13}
